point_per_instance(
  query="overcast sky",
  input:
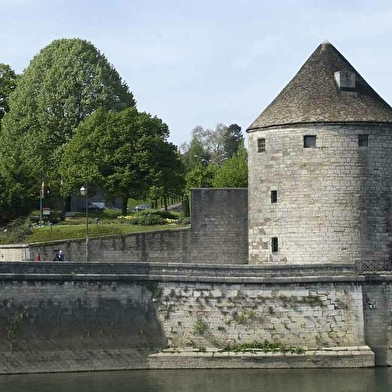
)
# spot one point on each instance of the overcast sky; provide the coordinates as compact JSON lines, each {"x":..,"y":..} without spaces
{"x":205,"y":62}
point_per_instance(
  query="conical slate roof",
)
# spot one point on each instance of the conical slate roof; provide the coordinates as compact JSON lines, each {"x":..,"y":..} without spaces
{"x":313,"y":96}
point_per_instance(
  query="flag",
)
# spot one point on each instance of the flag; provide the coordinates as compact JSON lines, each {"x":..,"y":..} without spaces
{"x":42,"y":189}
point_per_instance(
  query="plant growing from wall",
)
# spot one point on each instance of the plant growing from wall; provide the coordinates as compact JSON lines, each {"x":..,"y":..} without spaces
{"x":200,"y":326}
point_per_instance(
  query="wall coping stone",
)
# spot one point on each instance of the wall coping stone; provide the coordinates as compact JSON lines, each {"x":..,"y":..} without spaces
{"x":166,"y":272}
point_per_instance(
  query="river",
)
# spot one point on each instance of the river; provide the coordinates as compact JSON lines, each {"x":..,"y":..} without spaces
{"x":323,"y":380}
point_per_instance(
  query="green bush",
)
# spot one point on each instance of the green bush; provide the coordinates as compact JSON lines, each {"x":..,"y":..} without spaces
{"x":162,"y":213}
{"x":15,"y":232}
{"x":148,"y":220}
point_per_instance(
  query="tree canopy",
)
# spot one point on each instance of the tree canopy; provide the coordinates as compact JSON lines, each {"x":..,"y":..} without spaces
{"x":232,"y":140}
{"x":234,"y":171}
{"x":65,"y":83}
{"x":8,"y":79}
{"x":125,"y":153}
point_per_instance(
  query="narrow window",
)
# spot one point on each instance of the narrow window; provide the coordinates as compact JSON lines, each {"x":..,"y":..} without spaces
{"x":274,"y":196}
{"x":363,"y":140}
{"x":274,"y":244}
{"x":260,"y":145}
{"x":309,"y":141}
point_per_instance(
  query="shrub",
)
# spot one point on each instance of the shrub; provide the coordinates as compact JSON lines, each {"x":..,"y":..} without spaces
{"x":148,"y":220}
{"x":162,"y":213}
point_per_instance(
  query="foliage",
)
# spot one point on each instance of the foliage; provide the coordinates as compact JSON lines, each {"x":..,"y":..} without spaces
{"x":205,"y":146}
{"x":201,"y":177}
{"x":120,"y":152}
{"x":148,"y":220}
{"x":200,"y":326}
{"x":151,"y":217}
{"x":234,"y":172}
{"x":232,"y":140}
{"x":65,"y":83}
{"x":168,"y":173}
{"x":15,"y":232}
{"x":162,"y":213}
{"x":8,"y":80}
{"x":265,"y":346}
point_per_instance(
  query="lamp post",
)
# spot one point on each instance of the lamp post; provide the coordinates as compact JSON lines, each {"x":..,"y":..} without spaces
{"x":84,"y":192}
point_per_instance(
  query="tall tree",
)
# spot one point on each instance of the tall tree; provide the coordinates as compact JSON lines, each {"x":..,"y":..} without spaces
{"x":65,"y":83}
{"x":8,"y":80}
{"x":120,"y":152}
{"x":232,"y":139}
{"x":206,"y":145}
{"x":168,"y":173}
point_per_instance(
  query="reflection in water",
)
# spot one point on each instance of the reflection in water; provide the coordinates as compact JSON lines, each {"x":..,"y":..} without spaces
{"x":326,"y":380}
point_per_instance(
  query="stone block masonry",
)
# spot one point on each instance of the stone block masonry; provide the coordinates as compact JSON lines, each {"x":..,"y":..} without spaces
{"x":76,"y":316}
{"x":333,"y":201}
{"x":301,"y":315}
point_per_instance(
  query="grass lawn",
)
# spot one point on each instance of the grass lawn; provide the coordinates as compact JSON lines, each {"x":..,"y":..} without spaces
{"x":109,"y":223}
{"x":64,"y":232}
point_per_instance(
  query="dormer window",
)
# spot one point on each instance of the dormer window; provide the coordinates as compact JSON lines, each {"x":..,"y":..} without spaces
{"x":345,"y":80}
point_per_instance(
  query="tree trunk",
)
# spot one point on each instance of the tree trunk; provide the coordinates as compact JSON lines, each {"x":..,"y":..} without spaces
{"x":165,"y":201}
{"x":124,"y":206}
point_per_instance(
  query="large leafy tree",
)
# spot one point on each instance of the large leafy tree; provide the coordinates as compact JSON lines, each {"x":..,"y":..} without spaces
{"x":64,"y":84}
{"x":125,"y":153}
{"x":8,"y":79}
{"x":232,"y":139}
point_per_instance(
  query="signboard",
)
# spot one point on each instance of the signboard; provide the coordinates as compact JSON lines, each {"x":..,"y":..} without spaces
{"x":46,"y":211}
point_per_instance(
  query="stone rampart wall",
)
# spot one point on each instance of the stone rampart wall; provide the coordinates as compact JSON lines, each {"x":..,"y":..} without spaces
{"x":86,"y":317}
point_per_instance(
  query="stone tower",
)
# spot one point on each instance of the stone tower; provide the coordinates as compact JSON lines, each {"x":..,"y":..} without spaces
{"x":320,"y":169}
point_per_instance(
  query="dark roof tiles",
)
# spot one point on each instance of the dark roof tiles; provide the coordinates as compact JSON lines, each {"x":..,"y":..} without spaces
{"x":314,"y":96}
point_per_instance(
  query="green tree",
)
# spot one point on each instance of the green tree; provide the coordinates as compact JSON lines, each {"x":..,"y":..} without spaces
{"x":168,"y":173}
{"x":205,"y":146}
{"x":201,"y":176}
{"x":120,"y":152}
{"x":8,"y":79}
{"x":64,"y":84}
{"x":232,"y":139}
{"x":234,"y":171}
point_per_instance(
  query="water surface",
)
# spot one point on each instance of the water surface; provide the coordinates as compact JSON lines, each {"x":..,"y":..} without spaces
{"x":323,"y":380}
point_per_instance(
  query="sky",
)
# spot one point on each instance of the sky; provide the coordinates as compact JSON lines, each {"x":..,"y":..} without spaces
{"x":200,"y":63}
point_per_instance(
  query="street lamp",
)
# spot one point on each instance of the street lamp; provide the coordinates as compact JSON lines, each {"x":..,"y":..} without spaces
{"x":84,"y":192}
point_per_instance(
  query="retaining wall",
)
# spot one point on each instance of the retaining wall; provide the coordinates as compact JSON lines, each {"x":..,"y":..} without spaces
{"x":76,"y":316}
